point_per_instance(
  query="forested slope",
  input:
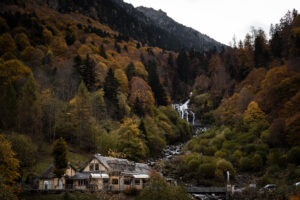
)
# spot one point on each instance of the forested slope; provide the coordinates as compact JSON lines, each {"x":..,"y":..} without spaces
{"x":64,"y":73}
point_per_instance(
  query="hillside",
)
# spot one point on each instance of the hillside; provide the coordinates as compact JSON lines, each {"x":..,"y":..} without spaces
{"x":130,"y":22}
{"x":69,"y":69}
{"x":192,"y":39}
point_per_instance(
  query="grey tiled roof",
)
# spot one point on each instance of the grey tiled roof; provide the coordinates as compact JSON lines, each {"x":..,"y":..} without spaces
{"x":48,"y":173}
{"x":122,"y":165}
{"x":81,"y":175}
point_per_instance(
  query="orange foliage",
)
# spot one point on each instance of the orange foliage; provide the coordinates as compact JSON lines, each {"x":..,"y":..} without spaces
{"x":141,"y":90}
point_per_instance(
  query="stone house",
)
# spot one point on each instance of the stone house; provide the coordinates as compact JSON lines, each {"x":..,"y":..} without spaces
{"x":100,"y":173}
{"x":49,"y":181}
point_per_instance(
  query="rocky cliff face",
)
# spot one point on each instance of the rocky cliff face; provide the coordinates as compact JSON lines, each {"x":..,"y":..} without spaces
{"x":191,"y":37}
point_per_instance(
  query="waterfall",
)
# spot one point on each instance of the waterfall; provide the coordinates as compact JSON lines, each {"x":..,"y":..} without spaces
{"x":185,"y":112}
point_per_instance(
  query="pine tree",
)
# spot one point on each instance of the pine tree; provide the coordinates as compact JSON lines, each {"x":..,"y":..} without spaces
{"x":130,"y":71}
{"x":261,"y":51}
{"x":157,"y":88}
{"x":89,"y":73}
{"x":111,"y":87}
{"x":98,"y":105}
{"x":102,"y":52}
{"x":60,"y":155}
{"x":86,"y":69}
{"x":29,"y":109}
{"x":170,"y":60}
{"x":142,"y":128}
{"x":183,"y":64}
{"x":138,"y":107}
{"x":82,"y":114}
{"x":117,"y":47}
{"x":8,"y":107}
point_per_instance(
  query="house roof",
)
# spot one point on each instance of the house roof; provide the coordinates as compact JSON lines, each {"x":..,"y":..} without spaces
{"x":122,"y":165}
{"x":81,"y":175}
{"x":49,"y":172}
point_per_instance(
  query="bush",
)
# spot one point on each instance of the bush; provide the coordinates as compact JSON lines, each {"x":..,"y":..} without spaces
{"x":25,"y":149}
{"x":235,"y":157}
{"x":294,"y":155}
{"x":220,"y":154}
{"x":210,"y":151}
{"x":264,"y":181}
{"x":245,"y":164}
{"x":225,"y":166}
{"x":256,"y":162}
{"x":22,"y":41}
{"x":7,"y":44}
{"x":207,"y":170}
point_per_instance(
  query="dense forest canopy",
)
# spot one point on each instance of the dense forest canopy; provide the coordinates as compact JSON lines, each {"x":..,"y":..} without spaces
{"x":67,"y":71}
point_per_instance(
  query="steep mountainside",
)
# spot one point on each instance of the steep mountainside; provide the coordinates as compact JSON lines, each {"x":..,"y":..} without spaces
{"x":138,"y":24}
{"x":190,"y":37}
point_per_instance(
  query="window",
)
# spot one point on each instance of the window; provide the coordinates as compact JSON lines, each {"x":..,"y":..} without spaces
{"x":127,"y":181}
{"x":82,"y":182}
{"x":137,"y":181}
{"x":91,"y":167}
{"x":97,"y":167}
{"x":115,"y":181}
{"x":105,"y":181}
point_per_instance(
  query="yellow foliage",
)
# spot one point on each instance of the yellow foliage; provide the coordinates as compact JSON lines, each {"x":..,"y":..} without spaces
{"x":13,"y":70}
{"x":142,"y":91}
{"x":100,"y":71}
{"x":47,"y":36}
{"x":84,"y":50}
{"x":140,"y":69}
{"x":254,"y":113}
{"x":274,"y":76}
{"x":7,"y":44}
{"x":9,"y":165}
{"x":58,"y":46}
{"x":227,"y":111}
{"x":122,"y":79}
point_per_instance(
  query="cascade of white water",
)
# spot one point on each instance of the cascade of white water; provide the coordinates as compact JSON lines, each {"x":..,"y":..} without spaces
{"x":193,"y":117}
{"x":184,"y":111}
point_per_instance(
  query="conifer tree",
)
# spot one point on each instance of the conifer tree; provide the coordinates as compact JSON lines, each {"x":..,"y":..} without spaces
{"x":111,"y":86}
{"x":102,"y":52}
{"x":183,"y":63}
{"x":130,"y":71}
{"x":60,"y":155}
{"x":157,"y":88}
{"x":29,"y":109}
{"x":138,"y":107}
{"x":8,"y":107}
{"x":82,"y":113}
{"x":98,"y":105}
{"x":117,"y":47}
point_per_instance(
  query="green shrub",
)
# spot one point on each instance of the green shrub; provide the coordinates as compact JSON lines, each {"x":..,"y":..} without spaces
{"x":235,"y":157}
{"x":207,"y":170}
{"x":225,"y":166}
{"x":220,"y":154}
{"x":256,"y":162}
{"x":210,"y":151}
{"x":264,"y":181}
{"x":245,"y":164}
{"x":294,"y":155}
